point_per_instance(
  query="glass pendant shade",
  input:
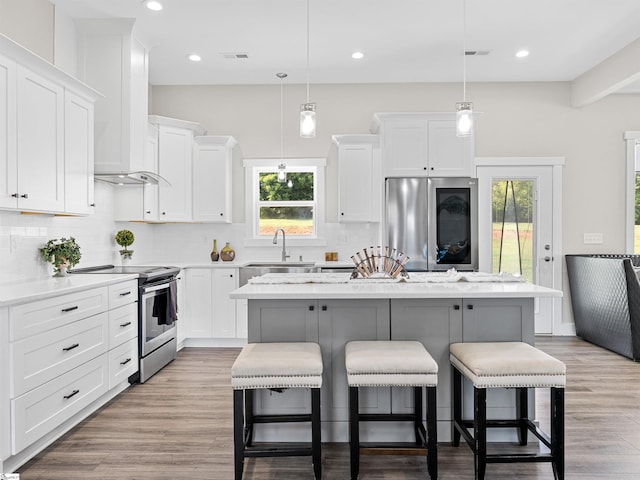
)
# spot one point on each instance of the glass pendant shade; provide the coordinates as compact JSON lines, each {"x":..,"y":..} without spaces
{"x":282,"y":173}
{"x":464,"y":119}
{"x":308,"y":120}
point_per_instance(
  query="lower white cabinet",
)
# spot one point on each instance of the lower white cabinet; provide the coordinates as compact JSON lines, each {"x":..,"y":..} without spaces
{"x":209,"y":312}
{"x":123,"y":362}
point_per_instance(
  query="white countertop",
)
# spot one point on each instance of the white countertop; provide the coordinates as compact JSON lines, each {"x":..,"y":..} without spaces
{"x":361,"y":289}
{"x":28,"y":290}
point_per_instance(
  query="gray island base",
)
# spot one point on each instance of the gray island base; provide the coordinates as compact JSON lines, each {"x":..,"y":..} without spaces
{"x":434,"y":314}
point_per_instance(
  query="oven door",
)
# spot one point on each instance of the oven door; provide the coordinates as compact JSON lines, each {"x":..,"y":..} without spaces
{"x":154,"y":330}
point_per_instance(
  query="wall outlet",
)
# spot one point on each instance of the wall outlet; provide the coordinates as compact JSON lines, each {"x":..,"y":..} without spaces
{"x":592,"y":239}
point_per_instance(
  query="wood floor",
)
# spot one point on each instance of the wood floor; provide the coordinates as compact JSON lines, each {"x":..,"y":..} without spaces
{"x":178,"y":426}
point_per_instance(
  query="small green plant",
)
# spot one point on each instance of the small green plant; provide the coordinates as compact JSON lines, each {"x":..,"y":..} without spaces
{"x":61,"y":251}
{"x":125,"y":238}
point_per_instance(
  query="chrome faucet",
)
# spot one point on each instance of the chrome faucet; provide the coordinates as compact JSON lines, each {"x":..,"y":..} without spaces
{"x":284,"y":243}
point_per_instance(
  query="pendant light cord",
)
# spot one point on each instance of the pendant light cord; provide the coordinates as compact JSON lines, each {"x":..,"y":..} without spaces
{"x":307,"y":51}
{"x":464,"y":50}
{"x":281,"y":121}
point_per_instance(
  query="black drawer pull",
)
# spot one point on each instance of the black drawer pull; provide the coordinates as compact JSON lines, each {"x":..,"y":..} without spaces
{"x":324,"y":308}
{"x":311,"y":308}
{"x":126,"y":361}
{"x":75,"y":392}
{"x":70,"y":309}
{"x":456,"y":307}
{"x":124,"y":294}
{"x":75,"y":345}
{"x":125,"y":324}
{"x":469,"y":307}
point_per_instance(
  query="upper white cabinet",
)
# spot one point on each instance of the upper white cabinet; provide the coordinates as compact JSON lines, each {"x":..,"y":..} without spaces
{"x":46,"y":128}
{"x":112,"y":60}
{"x":359,"y":181}
{"x":423,"y":144}
{"x":212,"y":168}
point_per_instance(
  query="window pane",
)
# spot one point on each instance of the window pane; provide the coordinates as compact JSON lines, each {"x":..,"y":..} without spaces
{"x":294,"y":220}
{"x":298,"y":187}
{"x":513,"y":222}
{"x":636,"y":223}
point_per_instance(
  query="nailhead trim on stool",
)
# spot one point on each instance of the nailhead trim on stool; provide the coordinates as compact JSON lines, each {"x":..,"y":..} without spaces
{"x":393,"y":364}
{"x":275,"y":366}
{"x":507,"y":365}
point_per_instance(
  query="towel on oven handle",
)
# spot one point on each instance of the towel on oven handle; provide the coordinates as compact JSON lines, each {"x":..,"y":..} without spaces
{"x":165,"y":307}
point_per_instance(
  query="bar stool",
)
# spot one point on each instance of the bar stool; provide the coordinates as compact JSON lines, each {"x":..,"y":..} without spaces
{"x":507,"y":365}
{"x":275,"y":366}
{"x":393,"y":364}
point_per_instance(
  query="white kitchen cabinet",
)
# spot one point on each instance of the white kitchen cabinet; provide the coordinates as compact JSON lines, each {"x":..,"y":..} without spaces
{"x":40,"y":143}
{"x":9,"y":180}
{"x":198,"y":303}
{"x":225,"y":280}
{"x":212,"y":179}
{"x":359,"y":180}
{"x":78,"y":154}
{"x":423,"y":144}
{"x":150,"y":192}
{"x":182,"y":309}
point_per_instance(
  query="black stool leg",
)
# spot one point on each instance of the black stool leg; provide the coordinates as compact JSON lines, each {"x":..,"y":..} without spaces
{"x":432,"y":434}
{"x":522,"y":406}
{"x":557,"y":432}
{"x":238,"y":433}
{"x":354,"y":433}
{"x":456,"y":380}
{"x":417,"y":414}
{"x":248,"y":415}
{"x":480,"y":431}
{"x":316,"y":445}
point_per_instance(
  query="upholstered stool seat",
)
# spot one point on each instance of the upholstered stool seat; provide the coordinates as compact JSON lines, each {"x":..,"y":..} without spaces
{"x":393,"y":364}
{"x":508,"y":365}
{"x":275,"y":366}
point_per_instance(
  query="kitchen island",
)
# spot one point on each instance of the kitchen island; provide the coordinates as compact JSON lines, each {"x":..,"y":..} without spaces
{"x":437,"y":314}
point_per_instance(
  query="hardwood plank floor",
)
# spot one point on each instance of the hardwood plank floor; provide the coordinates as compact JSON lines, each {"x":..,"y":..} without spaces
{"x":179,"y":426}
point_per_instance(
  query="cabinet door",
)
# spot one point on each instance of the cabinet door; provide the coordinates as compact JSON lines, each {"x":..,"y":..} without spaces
{"x":40,"y":143}
{"x":198,"y":303}
{"x":78,"y":154}
{"x":8,"y":165}
{"x":359,"y":187}
{"x":435,"y":323}
{"x":342,"y":321}
{"x":182,"y":309}
{"x":174,"y":164}
{"x":405,"y":148}
{"x":150,"y":192}
{"x":449,"y":155}
{"x":224,"y":308}
{"x":212,"y":183}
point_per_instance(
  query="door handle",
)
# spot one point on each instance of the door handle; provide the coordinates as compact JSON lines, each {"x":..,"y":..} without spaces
{"x":548,"y":258}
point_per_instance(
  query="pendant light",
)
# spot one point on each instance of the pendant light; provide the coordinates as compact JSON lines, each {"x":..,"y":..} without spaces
{"x":282,"y":167}
{"x":308,"y":110}
{"x":464,"y":109}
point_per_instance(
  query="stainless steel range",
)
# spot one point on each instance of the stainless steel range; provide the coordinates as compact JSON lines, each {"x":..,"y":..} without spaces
{"x":157,"y":315}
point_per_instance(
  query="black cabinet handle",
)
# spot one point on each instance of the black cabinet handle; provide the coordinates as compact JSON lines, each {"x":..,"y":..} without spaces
{"x":456,"y":307}
{"x":125,"y":324}
{"x":75,"y":392}
{"x":70,"y":309}
{"x":311,"y":308}
{"x":14,"y":195}
{"x":222,"y":214}
{"x":75,"y":345}
{"x":92,"y":204}
{"x":469,"y":307}
{"x":124,"y":294}
{"x":126,"y":361}
{"x":148,"y":212}
{"x":25,"y":195}
{"x":324,"y":308}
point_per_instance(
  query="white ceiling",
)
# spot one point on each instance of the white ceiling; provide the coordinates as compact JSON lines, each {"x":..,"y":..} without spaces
{"x":403,"y":40}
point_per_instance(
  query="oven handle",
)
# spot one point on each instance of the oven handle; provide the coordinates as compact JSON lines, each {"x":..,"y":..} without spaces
{"x":155,"y":288}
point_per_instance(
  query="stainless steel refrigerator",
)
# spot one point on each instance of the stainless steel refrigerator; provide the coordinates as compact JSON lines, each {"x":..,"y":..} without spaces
{"x":434,"y":221}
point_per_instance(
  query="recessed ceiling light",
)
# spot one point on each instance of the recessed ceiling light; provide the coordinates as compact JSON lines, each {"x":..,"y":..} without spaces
{"x":357,"y":55}
{"x":153,"y":5}
{"x":522,"y":53}
{"x":194,"y":57}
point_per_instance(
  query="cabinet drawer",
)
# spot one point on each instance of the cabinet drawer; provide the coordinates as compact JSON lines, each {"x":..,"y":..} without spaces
{"x":42,"y":315}
{"x":123,"y":362}
{"x":123,"y":324}
{"x":123,"y":293}
{"x":43,"y":357}
{"x":36,"y":413}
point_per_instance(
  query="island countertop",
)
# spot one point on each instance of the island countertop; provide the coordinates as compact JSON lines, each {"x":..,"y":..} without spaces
{"x":363,"y":289}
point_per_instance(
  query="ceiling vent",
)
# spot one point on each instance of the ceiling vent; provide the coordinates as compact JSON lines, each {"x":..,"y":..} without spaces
{"x":235,"y":55}
{"x":476,"y":53}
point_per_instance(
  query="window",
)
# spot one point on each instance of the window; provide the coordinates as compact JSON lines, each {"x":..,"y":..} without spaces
{"x":287,"y":194}
{"x":633,"y":192}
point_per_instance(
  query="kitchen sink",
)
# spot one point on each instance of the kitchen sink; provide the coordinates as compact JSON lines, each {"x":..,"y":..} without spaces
{"x":257,"y":269}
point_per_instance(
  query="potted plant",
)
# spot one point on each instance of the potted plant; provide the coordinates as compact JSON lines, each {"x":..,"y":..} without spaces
{"x":125,"y":238}
{"x":63,"y":253}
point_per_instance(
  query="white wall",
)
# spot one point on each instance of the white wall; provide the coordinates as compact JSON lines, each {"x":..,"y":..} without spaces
{"x":30,"y":23}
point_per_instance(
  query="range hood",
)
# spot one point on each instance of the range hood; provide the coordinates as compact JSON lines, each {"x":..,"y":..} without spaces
{"x":132,"y":178}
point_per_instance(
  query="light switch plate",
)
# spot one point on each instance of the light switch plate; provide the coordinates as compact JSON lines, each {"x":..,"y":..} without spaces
{"x":592,"y":239}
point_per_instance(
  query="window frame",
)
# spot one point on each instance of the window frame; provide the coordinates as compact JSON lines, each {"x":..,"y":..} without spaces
{"x":632,"y":140}
{"x":253,"y":168}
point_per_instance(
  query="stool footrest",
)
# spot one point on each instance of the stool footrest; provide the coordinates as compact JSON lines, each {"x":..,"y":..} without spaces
{"x":386,"y":417}
{"x":306,"y":417}
{"x":510,"y":423}
{"x":278,"y":450}
{"x":519,"y":457}
{"x":395,"y":448}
